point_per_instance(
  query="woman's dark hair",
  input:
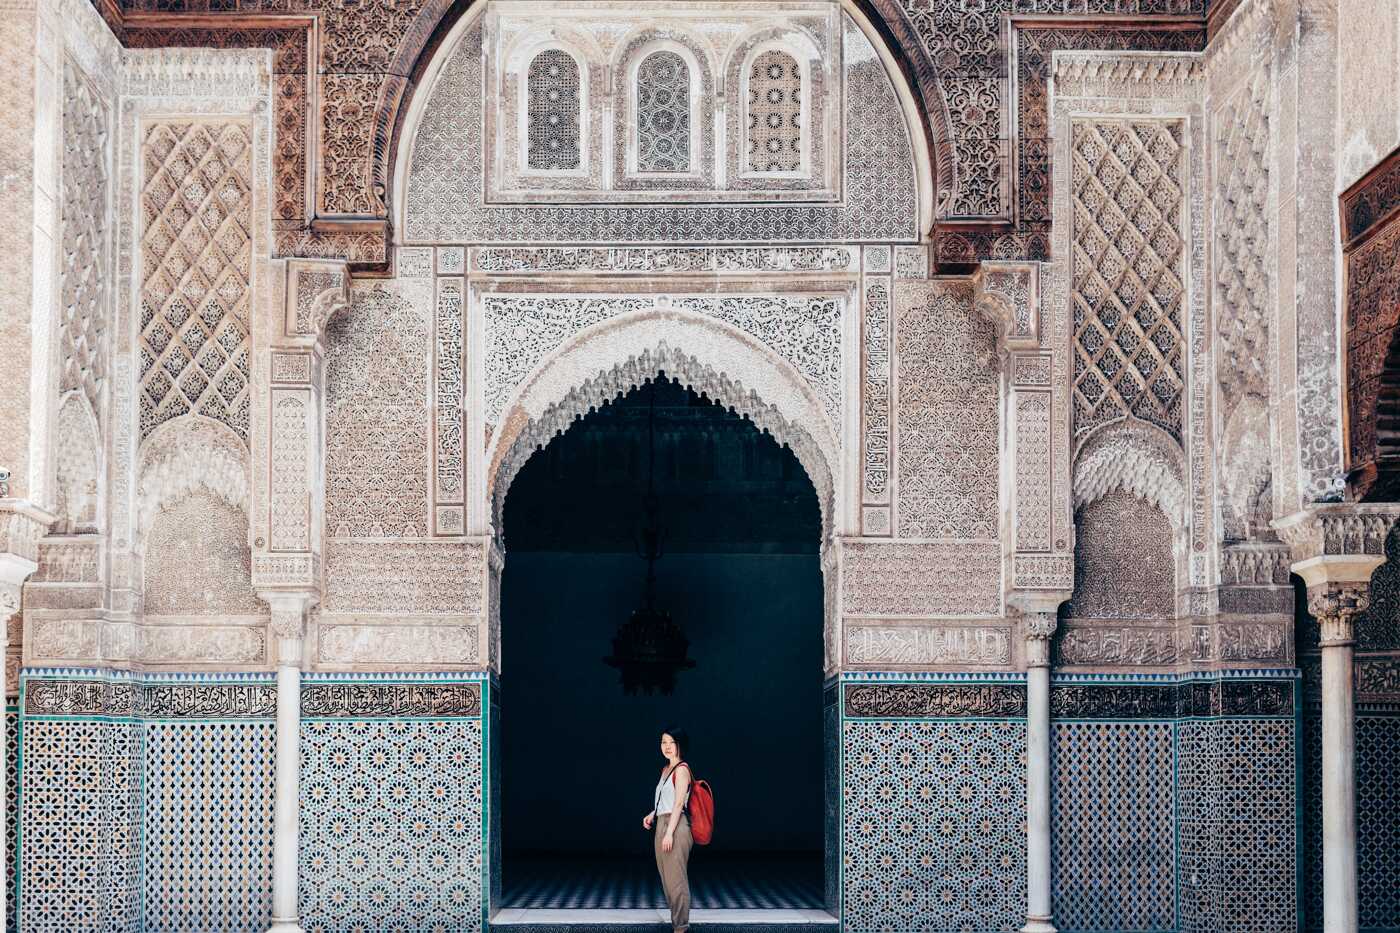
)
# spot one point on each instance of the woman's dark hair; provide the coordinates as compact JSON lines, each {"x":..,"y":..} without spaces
{"x":682,"y":740}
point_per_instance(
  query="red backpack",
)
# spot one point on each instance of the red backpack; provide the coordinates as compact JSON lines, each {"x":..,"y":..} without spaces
{"x":700,"y":807}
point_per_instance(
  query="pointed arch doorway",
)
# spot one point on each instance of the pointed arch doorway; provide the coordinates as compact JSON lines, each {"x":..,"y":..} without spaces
{"x":741,"y":574}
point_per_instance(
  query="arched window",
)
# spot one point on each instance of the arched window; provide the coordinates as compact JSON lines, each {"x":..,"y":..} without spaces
{"x":553,"y":111}
{"x":663,"y":113}
{"x":775,"y":113}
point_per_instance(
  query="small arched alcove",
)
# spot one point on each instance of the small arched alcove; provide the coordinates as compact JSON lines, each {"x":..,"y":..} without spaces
{"x":739,"y":572}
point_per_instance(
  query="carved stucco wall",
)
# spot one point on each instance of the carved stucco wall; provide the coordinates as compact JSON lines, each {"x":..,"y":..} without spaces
{"x":442,"y":184}
{"x":1368,"y":86}
{"x":1129,"y":217}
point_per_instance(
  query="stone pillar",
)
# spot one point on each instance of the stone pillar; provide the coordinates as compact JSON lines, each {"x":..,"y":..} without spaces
{"x":1039,"y":626}
{"x":288,"y":625}
{"x":1336,"y":607}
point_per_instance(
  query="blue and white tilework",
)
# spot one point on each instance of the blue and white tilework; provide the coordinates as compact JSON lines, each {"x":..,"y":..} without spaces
{"x":934,"y":825}
{"x":391,"y":823}
{"x":208,"y":826}
{"x":11,"y":818}
{"x":1112,"y":826}
{"x":80,"y":811}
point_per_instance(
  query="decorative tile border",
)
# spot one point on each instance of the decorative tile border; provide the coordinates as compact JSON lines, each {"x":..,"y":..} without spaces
{"x":935,"y":701}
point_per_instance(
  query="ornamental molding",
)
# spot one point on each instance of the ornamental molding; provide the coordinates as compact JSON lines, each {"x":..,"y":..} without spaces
{"x":1137,"y":457}
{"x":1127,"y":74}
{"x":150,"y":644}
{"x":1338,"y":530}
{"x":1008,"y":294}
{"x":936,"y":701}
{"x":711,"y":357}
{"x":186,"y":455}
{"x":199,"y":73}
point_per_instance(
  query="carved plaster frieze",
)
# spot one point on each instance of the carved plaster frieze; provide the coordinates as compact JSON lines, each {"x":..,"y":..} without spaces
{"x":414,"y":642}
{"x":1338,"y":530}
{"x":894,"y":645}
{"x":151,"y":643}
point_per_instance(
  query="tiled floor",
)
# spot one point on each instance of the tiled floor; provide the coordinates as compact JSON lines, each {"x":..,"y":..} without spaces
{"x":717,"y":882}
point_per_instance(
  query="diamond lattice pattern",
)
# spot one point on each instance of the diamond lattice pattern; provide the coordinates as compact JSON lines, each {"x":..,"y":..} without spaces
{"x":1127,"y":288}
{"x":196,"y":253}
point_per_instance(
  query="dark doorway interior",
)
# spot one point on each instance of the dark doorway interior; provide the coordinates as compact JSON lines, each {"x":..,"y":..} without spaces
{"x":740,"y":574}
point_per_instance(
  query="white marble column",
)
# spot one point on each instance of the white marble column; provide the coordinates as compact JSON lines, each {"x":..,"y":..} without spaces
{"x":1336,"y":608}
{"x":288,"y":625}
{"x":1039,"y":626}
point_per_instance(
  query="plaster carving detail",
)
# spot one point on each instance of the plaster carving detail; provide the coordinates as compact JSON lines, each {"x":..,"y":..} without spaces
{"x":875,"y":397}
{"x":522,"y":330}
{"x":920,"y":645}
{"x":196,"y":249}
{"x":947,"y":418}
{"x":79,"y":469}
{"x":1137,"y":458}
{"x":934,"y":579}
{"x":1128,"y":194}
{"x":540,"y":414}
{"x":377,"y":420}
{"x":414,"y":577}
{"x":445,"y":184}
{"x":396,"y":642}
{"x":197,"y":559}
{"x":84,"y":308}
{"x":187,"y":455}
{"x":448,"y":391}
{"x":291,"y":471}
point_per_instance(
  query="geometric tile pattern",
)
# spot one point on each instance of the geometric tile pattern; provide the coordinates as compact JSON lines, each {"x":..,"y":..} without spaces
{"x":208,"y":826}
{"x":391,"y":825}
{"x":80,"y":826}
{"x":1112,"y":826}
{"x":1378,"y":821}
{"x":1237,"y":834}
{"x":11,"y":819}
{"x":934,"y":825}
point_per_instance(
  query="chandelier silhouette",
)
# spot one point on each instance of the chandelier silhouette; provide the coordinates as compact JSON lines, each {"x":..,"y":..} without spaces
{"x":650,"y":649}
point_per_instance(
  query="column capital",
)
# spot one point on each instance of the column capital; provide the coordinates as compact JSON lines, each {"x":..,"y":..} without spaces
{"x":1336,"y":606}
{"x":289,"y":611}
{"x":1040,"y":616}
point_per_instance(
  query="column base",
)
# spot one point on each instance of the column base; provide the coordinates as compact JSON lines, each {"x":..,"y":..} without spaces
{"x":285,"y":926}
{"x":1039,"y":925}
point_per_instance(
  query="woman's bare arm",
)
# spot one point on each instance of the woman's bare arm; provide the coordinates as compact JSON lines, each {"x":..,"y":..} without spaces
{"x":682,"y":789}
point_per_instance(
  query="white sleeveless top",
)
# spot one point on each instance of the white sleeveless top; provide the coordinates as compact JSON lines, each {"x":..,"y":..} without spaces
{"x":665,"y":794}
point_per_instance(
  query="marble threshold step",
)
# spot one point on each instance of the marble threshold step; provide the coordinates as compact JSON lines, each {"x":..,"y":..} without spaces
{"x":648,"y":920}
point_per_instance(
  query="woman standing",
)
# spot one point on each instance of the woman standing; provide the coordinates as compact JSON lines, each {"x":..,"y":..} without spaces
{"x":673,"y":841}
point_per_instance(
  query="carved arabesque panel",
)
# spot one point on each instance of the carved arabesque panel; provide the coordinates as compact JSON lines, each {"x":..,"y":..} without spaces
{"x":85,"y":183}
{"x":377,"y":360}
{"x":947,"y":419}
{"x":197,"y":560}
{"x":1127,"y":286}
{"x":196,"y":245}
